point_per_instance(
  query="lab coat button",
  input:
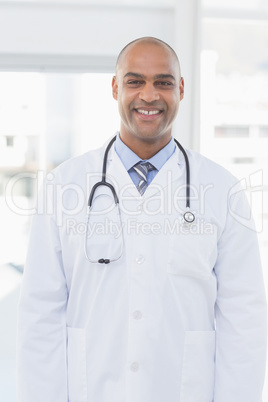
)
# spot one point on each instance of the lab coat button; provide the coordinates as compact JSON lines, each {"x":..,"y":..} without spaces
{"x":140,"y":259}
{"x":137,"y":315}
{"x":134,"y":367}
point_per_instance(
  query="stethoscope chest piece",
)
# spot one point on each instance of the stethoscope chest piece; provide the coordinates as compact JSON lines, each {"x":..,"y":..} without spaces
{"x":188,"y":217}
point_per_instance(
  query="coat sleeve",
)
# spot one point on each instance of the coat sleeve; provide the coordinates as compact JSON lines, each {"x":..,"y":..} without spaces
{"x":240,"y":309}
{"x":41,"y":339}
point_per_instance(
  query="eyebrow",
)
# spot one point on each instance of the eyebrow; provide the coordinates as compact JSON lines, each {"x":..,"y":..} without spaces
{"x":156,"y":77}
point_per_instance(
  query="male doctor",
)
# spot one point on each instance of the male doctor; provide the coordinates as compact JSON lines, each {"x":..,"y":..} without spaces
{"x":177,"y":312}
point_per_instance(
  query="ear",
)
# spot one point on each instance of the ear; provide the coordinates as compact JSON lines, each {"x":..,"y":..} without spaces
{"x":115,"y":88}
{"x":181,"y":88}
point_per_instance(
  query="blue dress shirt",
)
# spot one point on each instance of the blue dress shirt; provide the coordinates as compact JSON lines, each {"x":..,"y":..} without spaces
{"x":129,"y":159}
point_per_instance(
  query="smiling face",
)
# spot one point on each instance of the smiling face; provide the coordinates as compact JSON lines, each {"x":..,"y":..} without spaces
{"x":148,"y":88}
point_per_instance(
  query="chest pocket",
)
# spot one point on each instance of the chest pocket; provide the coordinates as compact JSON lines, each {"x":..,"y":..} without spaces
{"x":192,"y":250}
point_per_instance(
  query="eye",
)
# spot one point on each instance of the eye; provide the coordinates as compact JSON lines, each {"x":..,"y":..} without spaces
{"x":164,"y":84}
{"x":134,"y":83}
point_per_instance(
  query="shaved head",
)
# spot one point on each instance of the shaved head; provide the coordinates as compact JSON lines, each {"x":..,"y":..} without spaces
{"x":148,"y":88}
{"x":146,"y":40}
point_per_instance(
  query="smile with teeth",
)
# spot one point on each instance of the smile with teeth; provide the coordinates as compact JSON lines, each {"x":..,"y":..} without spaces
{"x":148,"y":112}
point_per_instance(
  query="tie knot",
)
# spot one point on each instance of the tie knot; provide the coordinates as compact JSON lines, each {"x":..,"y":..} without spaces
{"x":142,"y":169}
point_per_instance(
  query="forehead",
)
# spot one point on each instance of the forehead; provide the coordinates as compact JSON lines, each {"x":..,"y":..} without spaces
{"x":148,"y":59}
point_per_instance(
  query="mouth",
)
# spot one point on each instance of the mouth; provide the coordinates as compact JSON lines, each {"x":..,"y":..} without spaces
{"x":148,"y":114}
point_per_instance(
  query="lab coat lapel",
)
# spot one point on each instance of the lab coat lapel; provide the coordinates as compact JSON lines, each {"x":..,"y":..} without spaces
{"x":117,"y":175}
{"x":170,"y":173}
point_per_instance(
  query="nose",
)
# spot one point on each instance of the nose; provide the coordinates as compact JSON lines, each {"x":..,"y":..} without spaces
{"x":149,"y":93}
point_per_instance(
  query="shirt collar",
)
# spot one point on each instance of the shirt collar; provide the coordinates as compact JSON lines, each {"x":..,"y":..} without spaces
{"x":129,"y":158}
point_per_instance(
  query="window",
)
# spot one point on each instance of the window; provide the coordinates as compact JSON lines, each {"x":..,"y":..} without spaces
{"x":45,"y":119}
{"x":234,"y":100}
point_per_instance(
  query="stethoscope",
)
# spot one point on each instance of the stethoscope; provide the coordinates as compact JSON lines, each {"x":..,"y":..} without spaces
{"x":188,"y":216}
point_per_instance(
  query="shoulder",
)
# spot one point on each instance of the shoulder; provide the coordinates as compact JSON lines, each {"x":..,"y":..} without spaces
{"x":209,"y":170}
{"x":76,"y":168}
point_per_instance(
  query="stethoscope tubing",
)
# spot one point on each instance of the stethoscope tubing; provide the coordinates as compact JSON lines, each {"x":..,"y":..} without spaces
{"x":187,"y":166}
{"x":188,"y":216}
{"x":103,"y":181}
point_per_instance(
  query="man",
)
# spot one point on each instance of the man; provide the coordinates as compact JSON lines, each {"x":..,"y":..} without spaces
{"x":157,"y":308}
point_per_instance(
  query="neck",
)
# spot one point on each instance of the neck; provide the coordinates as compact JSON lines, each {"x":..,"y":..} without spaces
{"x":145,"y":148}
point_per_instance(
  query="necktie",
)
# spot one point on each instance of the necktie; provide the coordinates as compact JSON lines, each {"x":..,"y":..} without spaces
{"x":142,"y":169}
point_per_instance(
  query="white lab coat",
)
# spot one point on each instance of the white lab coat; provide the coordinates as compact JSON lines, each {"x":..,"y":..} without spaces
{"x":180,"y":317}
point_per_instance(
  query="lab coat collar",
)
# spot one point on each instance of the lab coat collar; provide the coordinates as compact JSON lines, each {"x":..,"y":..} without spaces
{"x":119,"y":177}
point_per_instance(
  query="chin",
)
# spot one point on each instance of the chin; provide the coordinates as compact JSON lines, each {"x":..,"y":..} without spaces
{"x":148,"y":136}
{"x":151,"y":135}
